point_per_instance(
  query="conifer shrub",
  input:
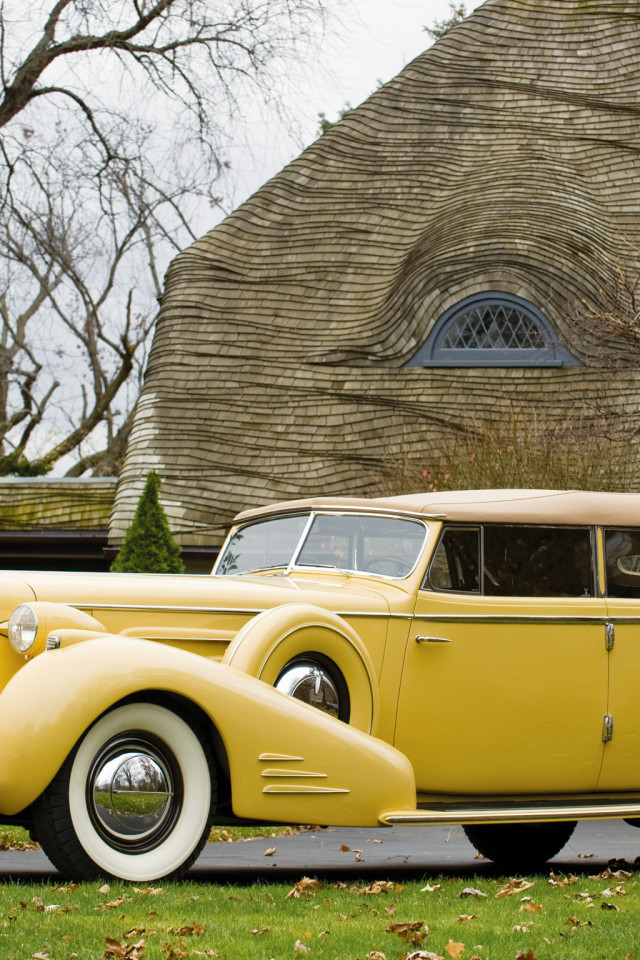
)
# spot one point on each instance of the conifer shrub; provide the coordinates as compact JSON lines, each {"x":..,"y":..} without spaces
{"x":148,"y":545}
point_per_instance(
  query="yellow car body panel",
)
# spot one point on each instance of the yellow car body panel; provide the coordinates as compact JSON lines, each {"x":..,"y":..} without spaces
{"x":287,"y":761}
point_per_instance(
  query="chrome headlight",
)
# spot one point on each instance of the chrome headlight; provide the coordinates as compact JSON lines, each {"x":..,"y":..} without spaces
{"x":23,"y":628}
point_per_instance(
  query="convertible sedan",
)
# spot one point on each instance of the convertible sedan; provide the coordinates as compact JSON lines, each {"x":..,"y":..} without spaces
{"x":469,"y":657}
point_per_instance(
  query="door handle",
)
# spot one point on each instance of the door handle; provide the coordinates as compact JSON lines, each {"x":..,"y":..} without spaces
{"x":433,"y":639}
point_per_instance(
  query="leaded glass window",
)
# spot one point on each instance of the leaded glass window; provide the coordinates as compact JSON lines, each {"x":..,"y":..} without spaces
{"x":490,"y":330}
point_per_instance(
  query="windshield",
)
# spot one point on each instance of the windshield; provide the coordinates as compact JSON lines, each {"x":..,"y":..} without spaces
{"x":385,"y":545}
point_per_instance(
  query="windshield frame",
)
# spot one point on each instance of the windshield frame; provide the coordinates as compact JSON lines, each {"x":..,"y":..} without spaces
{"x":293,"y":564}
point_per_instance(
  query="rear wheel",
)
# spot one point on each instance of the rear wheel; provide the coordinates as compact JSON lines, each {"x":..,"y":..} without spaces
{"x":133,"y":800}
{"x":518,"y":847}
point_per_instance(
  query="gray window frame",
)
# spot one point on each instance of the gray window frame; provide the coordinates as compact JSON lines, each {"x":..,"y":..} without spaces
{"x":433,"y":354}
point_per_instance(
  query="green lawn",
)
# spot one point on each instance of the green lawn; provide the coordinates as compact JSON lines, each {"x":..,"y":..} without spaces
{"x":543,"y":918}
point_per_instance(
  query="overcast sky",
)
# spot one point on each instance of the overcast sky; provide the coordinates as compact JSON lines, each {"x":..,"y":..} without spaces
{"x":369,"y":41}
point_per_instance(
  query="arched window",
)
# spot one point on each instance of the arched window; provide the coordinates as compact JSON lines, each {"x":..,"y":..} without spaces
{"x":493,"y":330}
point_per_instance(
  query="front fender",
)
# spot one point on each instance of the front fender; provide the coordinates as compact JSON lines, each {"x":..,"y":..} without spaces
{"x":288,"y":762}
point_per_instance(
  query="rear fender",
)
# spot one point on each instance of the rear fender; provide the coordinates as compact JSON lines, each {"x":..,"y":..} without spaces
{"x":288,"y":762}
{"x":273,"y":638}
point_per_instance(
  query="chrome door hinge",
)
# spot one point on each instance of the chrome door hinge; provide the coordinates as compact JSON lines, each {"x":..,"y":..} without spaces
{"x":607,"y":728}
{"x":610,"y":635}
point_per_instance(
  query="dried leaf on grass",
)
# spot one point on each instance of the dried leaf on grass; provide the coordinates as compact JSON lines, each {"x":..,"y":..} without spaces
{"x":471,"y":892}
{"x":557,"y":880}
{"x":114,"y":903}
{"x":409,"y":931}
{"x":305,"y":888}
{"x":608,"y":873}
{"x":529,"y":955}
{"x":514,"y":886}
{"x":192,"y":930}
{"x":531,"y":907}
{"x":608,"y":906}
{"x":44,"y":955}
{"x":378,"y":886}
{"x":149,"y":891}
{"x":464,"y":917}
{"x":173,"y":952}
{"x":454,"y":949}
{"x":574,"y":922}
{"x":375,"y":955}
{"x":124,"y":950}
{"x":299,"y":947}
{"x":424,"y":955}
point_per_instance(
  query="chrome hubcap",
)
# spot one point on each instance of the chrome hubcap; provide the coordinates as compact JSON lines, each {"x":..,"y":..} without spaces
{"x":133,"y":793}
{"x":312,"y":684}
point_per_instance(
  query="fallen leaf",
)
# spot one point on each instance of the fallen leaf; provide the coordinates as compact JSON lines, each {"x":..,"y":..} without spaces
{"x":618,"y":892}
{"x":557,"y":880}
{"x":374,"y":841}
{"x":409,"y":931}
{"x":299,"y":947}
{"x":585,"y":856}
{"x":378,"y":886}
{"x":513,"y":886}
{"x":305,"y":888}
{"x":454,"y":949}
{"x":345,"y":849}
{"x":436,"y":886}
{"x":574,"y":922}
{"x":479,"y":856}
{"x":471,"y":892}
{"x":149,"y":891}
{"x":358,"y":857}
{"x":522,"y":927}
{"x":608,"y":873}
{"x":464,"y":917}
{"x":41,"y":956}
{"x":193,"y":930}
{"x":423,"y":955}
{"x":105,"y":889}
{"x":113,"y":903}
{"x":174,"y":953}
{"x":531,"y":907}
{"x":525,"y":956}
{"x":259,"y":931}
{"x":608,"y":906}
{"x":270,"y":852}
{"x":375,"y":954}
{"x":69,"y":889}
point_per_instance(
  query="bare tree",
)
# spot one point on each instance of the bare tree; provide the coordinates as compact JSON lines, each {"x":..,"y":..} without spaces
{"x":113,"y":117}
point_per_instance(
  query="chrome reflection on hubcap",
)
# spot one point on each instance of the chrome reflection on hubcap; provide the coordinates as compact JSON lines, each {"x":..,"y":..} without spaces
{"x":132,"y":794}
{"x":312,"y":684}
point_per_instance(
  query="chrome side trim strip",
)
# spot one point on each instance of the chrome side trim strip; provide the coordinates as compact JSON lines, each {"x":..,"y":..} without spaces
{"x":292,"y":773}
{"x":513,"y":814}
{"x":278,"y":756}
{"x":301,"y":788}
{"x":510,"y":618}
{"x":160,"y":608}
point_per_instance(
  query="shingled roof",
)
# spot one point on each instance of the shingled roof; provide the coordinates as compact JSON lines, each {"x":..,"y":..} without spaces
{"x":503,"y":158}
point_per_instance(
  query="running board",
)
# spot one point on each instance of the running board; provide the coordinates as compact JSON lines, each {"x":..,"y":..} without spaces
{"x":442,"y":814}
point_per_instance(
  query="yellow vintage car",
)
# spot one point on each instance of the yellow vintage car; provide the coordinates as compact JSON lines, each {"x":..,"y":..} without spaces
{"x":469,"y":657}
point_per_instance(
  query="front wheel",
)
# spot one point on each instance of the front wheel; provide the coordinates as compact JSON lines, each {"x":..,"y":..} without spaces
{"x":519,"y":847}
{"x":133,"y":800}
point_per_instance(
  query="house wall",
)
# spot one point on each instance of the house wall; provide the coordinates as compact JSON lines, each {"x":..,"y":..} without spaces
{"x":504,"y":158}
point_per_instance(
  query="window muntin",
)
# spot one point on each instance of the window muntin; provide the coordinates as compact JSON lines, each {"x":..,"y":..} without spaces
{"x":361,"y":543}
{"x":516,"y":561}
{"x":622,"y":562}
{"x":493,"y":329}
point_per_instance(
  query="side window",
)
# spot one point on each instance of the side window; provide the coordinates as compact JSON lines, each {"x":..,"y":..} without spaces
{"x":524,"y":561}
{"x":622,"y":556}
{"x":456,"y":561}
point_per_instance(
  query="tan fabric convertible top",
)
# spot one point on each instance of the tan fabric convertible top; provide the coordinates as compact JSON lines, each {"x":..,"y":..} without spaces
{"x":498,"y":506}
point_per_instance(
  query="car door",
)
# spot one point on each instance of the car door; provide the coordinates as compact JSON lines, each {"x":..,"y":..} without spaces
{"x":621,"y":764}
{"x":504,"y":684}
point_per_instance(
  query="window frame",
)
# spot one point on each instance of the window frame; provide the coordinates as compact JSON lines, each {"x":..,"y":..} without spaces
{"x":433,"y":354}
{"x":590,"y":529}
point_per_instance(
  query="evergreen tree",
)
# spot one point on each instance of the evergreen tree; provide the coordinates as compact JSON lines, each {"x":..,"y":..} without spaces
{"x":440,"y":28}
{"x":148,"y":545}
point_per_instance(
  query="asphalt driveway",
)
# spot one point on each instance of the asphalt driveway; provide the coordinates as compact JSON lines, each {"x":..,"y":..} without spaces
{"x":394,"y":852}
